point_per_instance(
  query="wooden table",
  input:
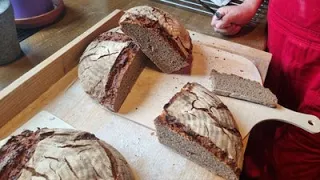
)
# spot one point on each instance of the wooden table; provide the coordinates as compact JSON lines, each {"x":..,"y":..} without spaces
{"x":82,"y":14}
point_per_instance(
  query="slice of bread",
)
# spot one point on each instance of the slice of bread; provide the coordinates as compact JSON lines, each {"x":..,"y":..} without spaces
{"x":237,"y":87}
{"x":196,"y":124}
{"x":161,"y":37}
{"x":109,"y":68}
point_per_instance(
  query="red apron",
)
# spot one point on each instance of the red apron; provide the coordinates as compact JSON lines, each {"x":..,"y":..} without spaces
{"x":275,"y":150}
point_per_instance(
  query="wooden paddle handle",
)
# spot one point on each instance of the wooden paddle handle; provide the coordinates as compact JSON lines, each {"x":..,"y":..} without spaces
{"x":306,"y":122}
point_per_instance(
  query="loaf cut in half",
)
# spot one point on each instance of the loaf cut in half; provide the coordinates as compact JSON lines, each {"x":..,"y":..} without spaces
{"x":234,"y":86}
{"x":61,"y":154}
{"x":161,"y":37}
{"x":109,"y":67}
{"x":197,"y":125}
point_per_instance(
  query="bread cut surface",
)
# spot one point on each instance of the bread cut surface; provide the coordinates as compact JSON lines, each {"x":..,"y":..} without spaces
{"x":61,"y":154}
{"x":237,"y":87}
{"x":196,"y":124}
{"x":161,"y":37}
{"x":109,"y":67}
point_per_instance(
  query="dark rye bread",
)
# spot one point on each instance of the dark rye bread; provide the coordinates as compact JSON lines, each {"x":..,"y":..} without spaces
{"x":109,"y":68}
{"x":61,"y":154}
{"x":161,"y":37}
{"x":196,"y":124}
{"x":237,"y":87}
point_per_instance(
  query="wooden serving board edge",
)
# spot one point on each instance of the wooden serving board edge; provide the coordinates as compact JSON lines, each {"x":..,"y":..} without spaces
{"x":30,"y":86}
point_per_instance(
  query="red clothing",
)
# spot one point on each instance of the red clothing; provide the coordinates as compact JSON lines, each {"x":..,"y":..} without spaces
{"x":287,"y":152}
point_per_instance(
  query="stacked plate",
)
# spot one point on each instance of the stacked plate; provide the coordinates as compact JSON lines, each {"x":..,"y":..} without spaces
{"x":35,"y":13}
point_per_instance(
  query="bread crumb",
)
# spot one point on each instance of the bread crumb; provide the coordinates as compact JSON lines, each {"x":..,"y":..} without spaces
{"x":136,"y":108}
{"x":224,"y":58}
{"x":241,"y":70}
{"x":152,"y":133}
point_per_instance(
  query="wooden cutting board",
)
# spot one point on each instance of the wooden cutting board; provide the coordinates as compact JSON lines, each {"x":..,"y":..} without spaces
{"x":154,"y":89}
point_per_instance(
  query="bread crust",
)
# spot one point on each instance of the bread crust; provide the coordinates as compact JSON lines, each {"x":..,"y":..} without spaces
{"x":174,"y":124}
{"x":150,"y":17}
{"x":23,"y":156}
{"x":103,"y":67}
{"x":164,"y":27}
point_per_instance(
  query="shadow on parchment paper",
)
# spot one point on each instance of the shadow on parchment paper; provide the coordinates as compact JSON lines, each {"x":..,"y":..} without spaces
{"x":149,"y":79}
{"x":183,"y":71}
{"x":142,"y":88}
{"x":199,"y":62}
{"x":152,"y":66}
{"x":135,"y":173}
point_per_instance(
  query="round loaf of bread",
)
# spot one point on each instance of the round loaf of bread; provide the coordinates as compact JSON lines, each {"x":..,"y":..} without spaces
{"x":61,"y":154}
{"x":161,"y":37}
{"x":109,"y":67}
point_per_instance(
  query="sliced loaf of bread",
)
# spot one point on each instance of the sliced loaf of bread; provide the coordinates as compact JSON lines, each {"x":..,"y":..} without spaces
{"x":237,"y":87}
{"x":109,"y":68}
{"x":196,"y":124}
{"x":161,"y":37}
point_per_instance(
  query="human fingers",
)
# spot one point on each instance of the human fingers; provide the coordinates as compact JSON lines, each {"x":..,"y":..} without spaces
{"x":231,"y":30}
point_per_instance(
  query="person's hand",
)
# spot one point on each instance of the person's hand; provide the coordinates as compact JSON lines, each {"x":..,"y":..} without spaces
{"x":233,"y":18}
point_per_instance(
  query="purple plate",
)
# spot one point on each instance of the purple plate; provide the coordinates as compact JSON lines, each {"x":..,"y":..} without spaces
{"x":29,"y":8}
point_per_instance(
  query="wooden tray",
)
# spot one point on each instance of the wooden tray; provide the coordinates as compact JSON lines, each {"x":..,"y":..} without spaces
{"x":52,"y":86}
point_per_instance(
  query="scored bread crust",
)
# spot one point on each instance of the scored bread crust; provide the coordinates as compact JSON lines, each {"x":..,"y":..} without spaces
{"x":164,"y":24}
{"x":121,"y":169}
{"x":57,"y":153}
{"x":104,"y":65}
{"x":196,"y":123}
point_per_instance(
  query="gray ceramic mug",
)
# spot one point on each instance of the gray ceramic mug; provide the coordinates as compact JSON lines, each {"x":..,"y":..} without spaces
{"x":9,"y":44}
